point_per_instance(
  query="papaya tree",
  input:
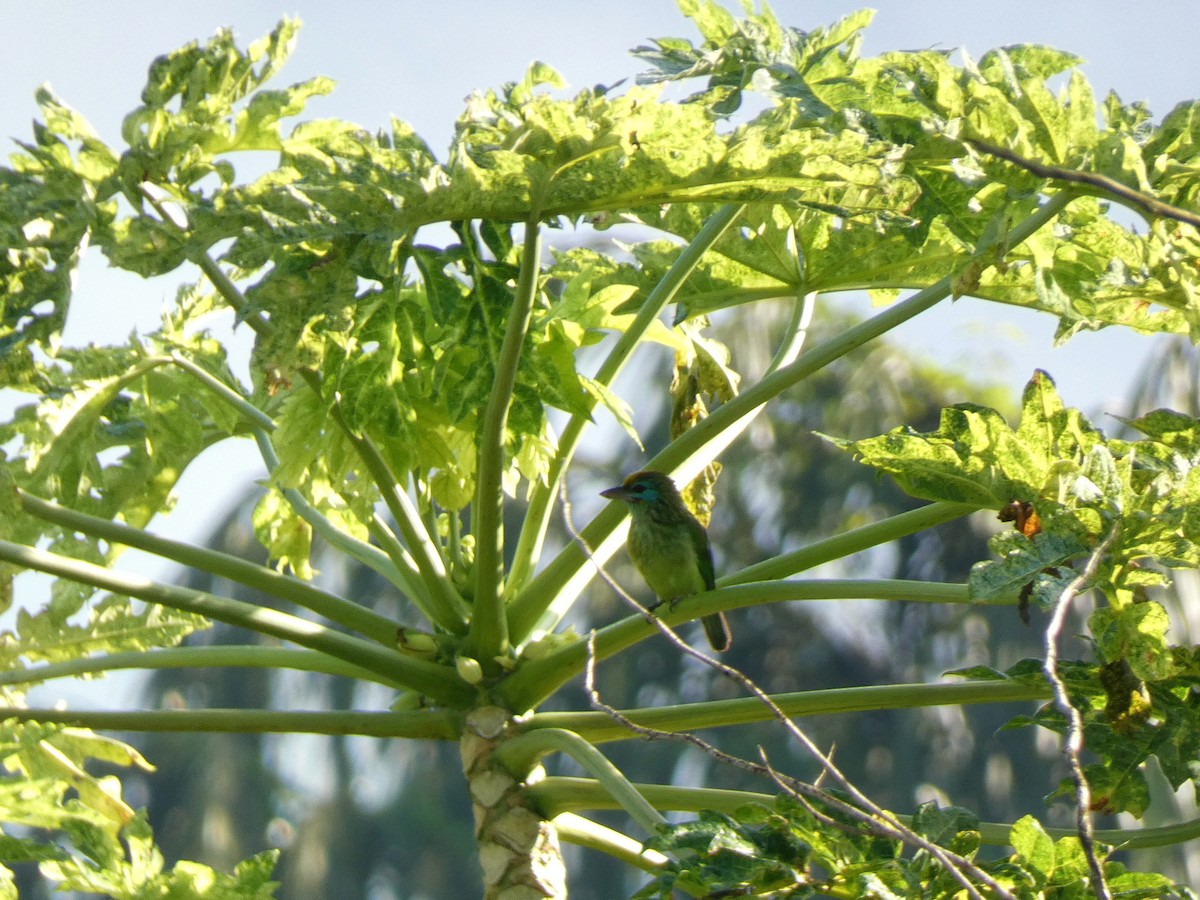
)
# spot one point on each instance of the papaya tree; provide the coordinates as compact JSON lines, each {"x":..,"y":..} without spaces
{"x":424,"y":360}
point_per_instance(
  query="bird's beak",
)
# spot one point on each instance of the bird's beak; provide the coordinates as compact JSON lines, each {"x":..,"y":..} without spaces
{"x":616,"y":493}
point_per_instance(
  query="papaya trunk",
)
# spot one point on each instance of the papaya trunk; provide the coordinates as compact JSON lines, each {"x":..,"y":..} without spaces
{"x":518,"y":849}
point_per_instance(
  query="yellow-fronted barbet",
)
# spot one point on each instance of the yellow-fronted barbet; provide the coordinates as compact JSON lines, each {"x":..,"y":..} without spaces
{"x":669,"y":546}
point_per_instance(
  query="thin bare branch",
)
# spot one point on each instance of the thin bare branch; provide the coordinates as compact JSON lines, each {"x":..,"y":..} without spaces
{"x":1073,"y":742}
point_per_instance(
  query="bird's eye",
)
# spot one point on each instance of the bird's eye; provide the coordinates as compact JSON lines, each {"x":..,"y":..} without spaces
{"x":638,"y":489}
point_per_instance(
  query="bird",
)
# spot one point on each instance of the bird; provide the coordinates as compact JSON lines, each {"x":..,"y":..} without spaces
{"x":669,"y":546}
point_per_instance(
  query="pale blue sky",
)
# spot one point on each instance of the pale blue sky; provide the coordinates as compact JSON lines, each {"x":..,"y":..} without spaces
{"x":419,"y":60}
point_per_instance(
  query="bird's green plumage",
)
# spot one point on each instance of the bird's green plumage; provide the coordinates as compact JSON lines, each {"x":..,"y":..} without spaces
{"x":669,"y":546}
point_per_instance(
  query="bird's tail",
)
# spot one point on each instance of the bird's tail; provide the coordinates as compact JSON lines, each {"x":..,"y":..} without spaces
{"x":717,"y":629}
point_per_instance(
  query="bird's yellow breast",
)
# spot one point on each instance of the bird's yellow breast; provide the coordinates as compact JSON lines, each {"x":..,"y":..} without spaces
{"x":666,"y":557}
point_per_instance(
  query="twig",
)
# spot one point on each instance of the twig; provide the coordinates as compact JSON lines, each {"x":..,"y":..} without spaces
{"x":876,"y":819}
{"x":1123,"y":194}
{"x":653,"y":734}
{"x":879,"y":820}
{"x":883,"y":823}
{"x":1073,"y":744}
